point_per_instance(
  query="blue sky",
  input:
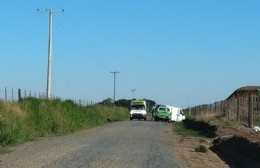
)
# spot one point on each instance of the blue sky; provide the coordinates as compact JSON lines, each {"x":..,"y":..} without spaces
{"x":176,"y":52}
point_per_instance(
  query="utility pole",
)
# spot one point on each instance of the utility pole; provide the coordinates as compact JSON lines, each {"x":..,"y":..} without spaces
{"x":133,"y":92}
{"x":48,"y":91}
{"x":114,"y":72}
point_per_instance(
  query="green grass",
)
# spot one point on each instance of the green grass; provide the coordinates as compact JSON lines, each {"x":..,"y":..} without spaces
{"x":195,"y":128}
{"x":32,"y":118}
{"x":200,"y":127}
{"x":183,"y":131}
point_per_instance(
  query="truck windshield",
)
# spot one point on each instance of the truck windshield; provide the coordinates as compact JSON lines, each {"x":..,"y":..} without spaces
{"x":137,"y":107}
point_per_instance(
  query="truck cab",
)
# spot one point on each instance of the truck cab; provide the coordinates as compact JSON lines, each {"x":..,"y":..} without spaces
{"x":138,"y":109}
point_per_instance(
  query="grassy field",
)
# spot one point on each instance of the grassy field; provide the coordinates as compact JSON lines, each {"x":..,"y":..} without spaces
{"x":32,"y":118}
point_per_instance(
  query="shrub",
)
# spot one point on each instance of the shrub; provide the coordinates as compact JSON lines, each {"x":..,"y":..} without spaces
{"x":201,"y":148}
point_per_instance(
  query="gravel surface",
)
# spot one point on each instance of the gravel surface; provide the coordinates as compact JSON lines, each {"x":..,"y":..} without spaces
{"x":120,"y":144}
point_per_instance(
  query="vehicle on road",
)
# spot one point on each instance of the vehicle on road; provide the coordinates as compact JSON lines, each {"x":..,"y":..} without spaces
{"x":177,"y":114}
{"x":138,"y":110}
{"x":162,"y":113}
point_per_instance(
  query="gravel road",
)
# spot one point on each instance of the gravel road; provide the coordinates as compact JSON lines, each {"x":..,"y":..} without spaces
{"x":119,"y":144}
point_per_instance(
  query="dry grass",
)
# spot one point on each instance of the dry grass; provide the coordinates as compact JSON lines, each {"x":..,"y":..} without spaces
{"x":208,"y":117}
{"x":9,"y":110}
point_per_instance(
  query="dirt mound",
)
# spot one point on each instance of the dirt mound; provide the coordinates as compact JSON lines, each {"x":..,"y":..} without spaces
{"x":238,"y":151}
{"x":236,"y":144}
{"x":231,"y":144}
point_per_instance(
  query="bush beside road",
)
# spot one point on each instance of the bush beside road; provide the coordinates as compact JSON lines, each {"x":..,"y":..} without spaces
{"x":32,"y":118}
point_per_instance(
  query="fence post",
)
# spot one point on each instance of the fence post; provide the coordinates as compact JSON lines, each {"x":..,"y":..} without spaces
{"x":221,"y":109}
{"x":19,"y":95}
{"x":250,"y":111}
{"x":5,"y":94}
{"x":215,"y":107}
{"x":238,"y":109}
{"x":228,"y":109}
{"x":12,"y":94}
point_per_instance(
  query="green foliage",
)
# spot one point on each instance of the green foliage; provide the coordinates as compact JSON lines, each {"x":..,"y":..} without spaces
{"x":180,"y":128}
{"x":201,"y":127}
{"x":191,"y":127}
{"x":126,"y":103}
{"x":11,"y":128}
{"x":201,"y":148}
{"x":3,"y":136}
{"x":32,"y":118}
{"x":123,"y":103}
{"x":107,"y":102}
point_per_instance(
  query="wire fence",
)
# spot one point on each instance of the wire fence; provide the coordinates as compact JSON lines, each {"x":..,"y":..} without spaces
{"x":244,"y":109}
{"x":13,"y":95}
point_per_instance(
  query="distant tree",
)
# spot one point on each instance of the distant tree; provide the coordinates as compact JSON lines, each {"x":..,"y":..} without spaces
{"x":107,"y":102}
{"x":127,"y":103}
{"x":123,"y":103}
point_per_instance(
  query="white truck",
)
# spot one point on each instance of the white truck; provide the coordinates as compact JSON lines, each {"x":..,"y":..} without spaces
{"x":177,"y":114}
{"x":138,"y":109}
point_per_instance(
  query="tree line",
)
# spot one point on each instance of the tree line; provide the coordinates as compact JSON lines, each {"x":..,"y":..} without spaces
{"x":126,"y":103}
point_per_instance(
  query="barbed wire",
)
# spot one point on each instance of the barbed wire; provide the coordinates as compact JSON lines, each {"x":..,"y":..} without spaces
{"x":14,"y":94}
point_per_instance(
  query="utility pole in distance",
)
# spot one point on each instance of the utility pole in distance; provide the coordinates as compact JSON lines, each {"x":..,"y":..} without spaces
{"x":114,"y":72}
{"x":48,"y":92}
{"x":133,"y":92}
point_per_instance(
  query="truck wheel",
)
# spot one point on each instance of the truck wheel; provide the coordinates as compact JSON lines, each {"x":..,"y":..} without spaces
{"x":131,"y":118}
{"x":144,"y":118}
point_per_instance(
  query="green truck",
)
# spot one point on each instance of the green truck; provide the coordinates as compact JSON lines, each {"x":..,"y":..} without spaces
{"x":161,"y":113}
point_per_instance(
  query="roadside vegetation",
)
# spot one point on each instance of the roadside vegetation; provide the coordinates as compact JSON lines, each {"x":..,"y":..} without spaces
{"x":198,"y":129}
{"x":180,"y":128}
{"x":32,"y":118}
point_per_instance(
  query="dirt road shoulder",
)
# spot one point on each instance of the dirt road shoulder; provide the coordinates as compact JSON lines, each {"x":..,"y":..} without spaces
{"x":231,"y":147}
